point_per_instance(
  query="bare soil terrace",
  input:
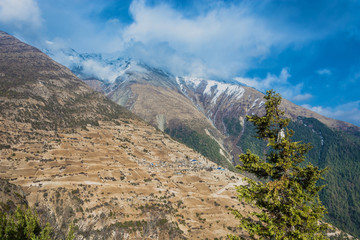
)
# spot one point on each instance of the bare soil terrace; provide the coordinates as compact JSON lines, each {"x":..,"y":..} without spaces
{"x":120,"y":180}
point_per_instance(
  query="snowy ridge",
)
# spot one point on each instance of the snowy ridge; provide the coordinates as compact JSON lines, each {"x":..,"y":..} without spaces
{"x":181,"y":86}
{"x":215,"y":89}
{"x":109,"y":68}
{"x":86,"y":65}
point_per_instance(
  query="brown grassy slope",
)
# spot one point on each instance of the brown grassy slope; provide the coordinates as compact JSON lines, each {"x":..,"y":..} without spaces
{"x":170,"y":104}
{"x":156,"y":98}
{"x":35,"y":89}
{"x":114,"y":179}
{"x":108,"y":176}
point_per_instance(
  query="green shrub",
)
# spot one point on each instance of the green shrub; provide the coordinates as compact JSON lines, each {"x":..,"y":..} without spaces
{"x":23,"y":224}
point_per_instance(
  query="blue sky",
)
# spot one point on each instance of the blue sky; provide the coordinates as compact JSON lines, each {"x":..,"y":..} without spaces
{"x":309,"y":51}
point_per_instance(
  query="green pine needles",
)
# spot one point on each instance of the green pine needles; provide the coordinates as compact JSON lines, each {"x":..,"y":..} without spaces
{"x":23,"y":224}
{"x":287,"y":195}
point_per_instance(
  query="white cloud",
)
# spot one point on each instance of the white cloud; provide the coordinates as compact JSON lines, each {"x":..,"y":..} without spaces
{"x":269,"y":82}
{"x":225,"y":40}
{"x":324,"y":71}
{"x":349,"y":112}
{"x":101,"y":66}
{"x":302,"y":97}
{"x":218,"y":41}
{"x":48,"y":42}
{"x":56,"y":44}
{"x":20,"y":13}
{"x":102,"y":72}
{"x":279,"y":83}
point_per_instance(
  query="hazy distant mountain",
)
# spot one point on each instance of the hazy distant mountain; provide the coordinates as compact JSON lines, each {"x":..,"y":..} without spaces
{"x":209,"y":116}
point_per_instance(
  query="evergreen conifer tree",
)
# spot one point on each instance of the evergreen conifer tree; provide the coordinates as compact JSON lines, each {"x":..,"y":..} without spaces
{"x":23,"y":224}
{"x":287,"y":193}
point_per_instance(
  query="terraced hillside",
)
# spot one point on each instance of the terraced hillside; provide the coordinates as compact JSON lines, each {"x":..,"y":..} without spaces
{"x":82,"y":159}
{"x":85,"y":160}
{"x":209,"y":116}
{"x":119,"y":180}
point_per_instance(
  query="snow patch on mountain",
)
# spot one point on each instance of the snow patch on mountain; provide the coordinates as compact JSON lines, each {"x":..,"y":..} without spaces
{"x":254,"y":103}
{"x":182,"y":87}
{"x":261,"y":104}
{"x":110,"y":68}
{"x":216,"y":89}
{"x":192,"y":82}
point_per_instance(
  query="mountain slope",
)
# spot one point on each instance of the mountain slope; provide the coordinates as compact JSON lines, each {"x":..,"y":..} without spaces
{"x":97,"y":165}
{"x":154,"y":96}
{"x":218,"y":126}
{"x":335,"y":143}
{"x":225,"y":97}
{"x":30,"y":79}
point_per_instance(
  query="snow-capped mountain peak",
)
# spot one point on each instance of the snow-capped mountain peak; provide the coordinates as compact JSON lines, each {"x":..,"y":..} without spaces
{"x":213,"y":88}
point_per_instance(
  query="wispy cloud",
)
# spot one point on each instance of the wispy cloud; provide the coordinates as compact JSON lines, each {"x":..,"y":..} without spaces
{"x":224,"y":40}
{"x":20,"y":14}
{"x":90,"y":67}
{"x":279,"y":83}
{"x":219,"y":40}
{"x":349,"y":112}
{"x":324,"y":71}
{"x":302,"y":97}
{"x":270,"y":81}
{"x":94,"y":68}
